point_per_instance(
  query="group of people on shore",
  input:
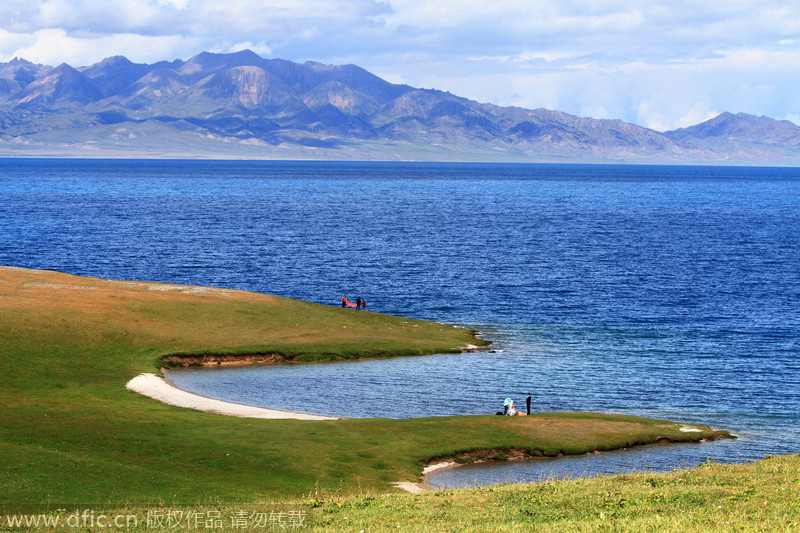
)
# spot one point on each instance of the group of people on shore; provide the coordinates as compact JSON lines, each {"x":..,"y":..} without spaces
{"x":510,"y":410}
{"x":360,"y":304}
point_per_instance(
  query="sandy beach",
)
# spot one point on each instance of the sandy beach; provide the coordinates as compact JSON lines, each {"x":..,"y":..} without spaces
{"x":158,"y":388}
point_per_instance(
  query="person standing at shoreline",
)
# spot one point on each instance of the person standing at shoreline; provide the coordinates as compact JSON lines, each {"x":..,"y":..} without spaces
{"x":528,"y":403}
{"x":344,"y":301}
{"x":358,"y":303}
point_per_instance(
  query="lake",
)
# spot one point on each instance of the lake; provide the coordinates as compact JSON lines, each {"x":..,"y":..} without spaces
{"x":661,"y":291}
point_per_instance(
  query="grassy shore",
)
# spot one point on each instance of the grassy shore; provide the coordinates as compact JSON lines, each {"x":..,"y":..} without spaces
{"x":70,"y":432}
{"x":761,"y":496}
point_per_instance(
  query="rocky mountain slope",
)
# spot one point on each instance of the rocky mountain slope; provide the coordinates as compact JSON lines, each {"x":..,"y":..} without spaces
{"x":743,"y":136}
{"x":243,"y":105}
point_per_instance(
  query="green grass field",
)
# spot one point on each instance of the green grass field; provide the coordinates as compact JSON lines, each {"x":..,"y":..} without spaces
{"x":70,"y":433}
{"x":755,"y":497}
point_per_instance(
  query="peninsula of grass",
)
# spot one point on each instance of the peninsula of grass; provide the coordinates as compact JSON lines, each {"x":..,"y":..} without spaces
{"x":71,"y":433}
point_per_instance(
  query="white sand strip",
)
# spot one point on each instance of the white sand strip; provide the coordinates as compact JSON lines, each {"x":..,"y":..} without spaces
{"x":413,"y":488}
{"x":422,"y":486}
{"x":157,"y":388}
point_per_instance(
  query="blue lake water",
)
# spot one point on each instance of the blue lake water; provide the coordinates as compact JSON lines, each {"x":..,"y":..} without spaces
{"x":667,"y":292}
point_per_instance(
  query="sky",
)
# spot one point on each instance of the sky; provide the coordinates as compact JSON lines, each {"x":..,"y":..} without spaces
{"x":658,"y":64}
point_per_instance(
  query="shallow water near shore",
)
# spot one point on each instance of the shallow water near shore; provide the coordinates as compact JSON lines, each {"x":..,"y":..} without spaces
{"x":667,"y":292}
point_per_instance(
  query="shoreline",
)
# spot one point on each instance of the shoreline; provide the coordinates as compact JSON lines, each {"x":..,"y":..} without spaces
{"x":487,"y":456}
{"x":160,"y":389}
{"x":217,"y":359}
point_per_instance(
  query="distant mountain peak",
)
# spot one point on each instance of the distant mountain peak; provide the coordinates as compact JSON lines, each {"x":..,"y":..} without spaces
{"x":728,"y":117}
{"x":116,"y":59}
{"x":64,"y":68}
{"x":114,"y":74}
{"x":62,"y":86}
{"x":246,"y":53}
{"x":241,"y":55}
{"x":727,"y":124}
{"x":743,"y":134}
{"x":206,"y":63}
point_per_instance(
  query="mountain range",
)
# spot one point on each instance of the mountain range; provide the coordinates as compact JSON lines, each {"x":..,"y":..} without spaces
{"x":241,"y":105}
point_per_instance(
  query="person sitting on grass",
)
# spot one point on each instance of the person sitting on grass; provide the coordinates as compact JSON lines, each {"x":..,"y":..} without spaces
{"x":508,"y":404}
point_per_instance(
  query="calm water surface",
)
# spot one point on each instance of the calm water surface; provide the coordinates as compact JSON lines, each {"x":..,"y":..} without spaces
{"x":659,"y":291}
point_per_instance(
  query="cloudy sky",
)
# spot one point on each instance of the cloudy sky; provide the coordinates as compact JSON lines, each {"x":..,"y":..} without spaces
{"x":660,"y":64}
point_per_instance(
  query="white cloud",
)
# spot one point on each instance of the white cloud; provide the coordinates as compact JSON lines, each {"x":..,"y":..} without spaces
{"x":177,"y":4}
{"x":13,"y":41}
{"x":524,"y":57}
{"x":792,"y":117}
{"x":51,"y":47}
{"x":699,"y":112}
{"x":261,"y":48}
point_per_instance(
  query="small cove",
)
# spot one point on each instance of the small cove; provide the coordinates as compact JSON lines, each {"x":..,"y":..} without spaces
{"x":467,"y":384}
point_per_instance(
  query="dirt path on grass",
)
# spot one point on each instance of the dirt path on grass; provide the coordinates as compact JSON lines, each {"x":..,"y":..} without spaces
{"x":158,"y":388}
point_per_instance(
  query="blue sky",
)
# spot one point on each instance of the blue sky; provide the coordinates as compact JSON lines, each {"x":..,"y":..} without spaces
{"x":655,"y":63}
